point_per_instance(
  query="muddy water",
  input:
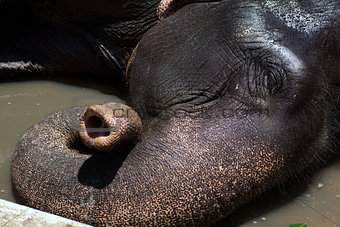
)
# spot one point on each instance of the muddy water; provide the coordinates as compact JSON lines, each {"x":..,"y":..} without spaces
{"x":316,"y":203}
{"x":24,"y":103}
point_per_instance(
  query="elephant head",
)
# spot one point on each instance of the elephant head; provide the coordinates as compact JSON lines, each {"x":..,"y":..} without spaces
{"x":235,"y":97}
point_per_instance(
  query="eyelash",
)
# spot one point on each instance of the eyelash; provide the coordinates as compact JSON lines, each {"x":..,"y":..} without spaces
{"x":265,"y":78}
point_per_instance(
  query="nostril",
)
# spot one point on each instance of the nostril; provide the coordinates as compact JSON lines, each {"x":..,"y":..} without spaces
{"x":102,"y":130}
{"x":95,"y":127}
{"x":93,"y":122}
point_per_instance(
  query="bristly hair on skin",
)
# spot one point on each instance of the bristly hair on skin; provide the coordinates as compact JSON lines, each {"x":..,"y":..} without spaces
{"x":168,"y":7}
{"x":163,"y":9}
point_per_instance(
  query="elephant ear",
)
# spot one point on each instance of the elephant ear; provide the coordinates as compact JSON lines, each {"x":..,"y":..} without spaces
{"x":330,"y":41}
{"x":337,"y":48}
{"x":336,"y":75}
{"x":168,"y":7}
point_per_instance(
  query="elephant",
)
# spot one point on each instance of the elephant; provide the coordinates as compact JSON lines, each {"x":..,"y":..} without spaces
{"x":228,"y":99}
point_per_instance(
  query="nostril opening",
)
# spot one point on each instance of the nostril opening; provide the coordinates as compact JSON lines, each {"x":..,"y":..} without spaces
{"x":95,"y":127}
{"x":101,"y":130}
{"x":93,"y":122}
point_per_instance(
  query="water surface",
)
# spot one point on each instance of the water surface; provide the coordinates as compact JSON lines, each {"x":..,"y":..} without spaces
{"x":316,"y":202}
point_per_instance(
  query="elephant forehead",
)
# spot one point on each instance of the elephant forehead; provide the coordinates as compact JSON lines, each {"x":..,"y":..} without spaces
{"x":204,"y":28}
{"x":305,"y":16}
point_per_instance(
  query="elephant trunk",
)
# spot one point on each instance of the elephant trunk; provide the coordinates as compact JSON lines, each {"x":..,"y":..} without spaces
{"x":103,"y":127}
{"x":172,"y":175}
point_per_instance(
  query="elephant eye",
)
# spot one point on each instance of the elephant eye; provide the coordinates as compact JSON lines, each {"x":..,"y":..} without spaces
{"x":270,"y":82}
{"x":265,"y":78}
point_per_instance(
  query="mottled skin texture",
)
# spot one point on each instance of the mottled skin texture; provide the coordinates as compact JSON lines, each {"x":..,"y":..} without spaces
{"x":235,"y":97}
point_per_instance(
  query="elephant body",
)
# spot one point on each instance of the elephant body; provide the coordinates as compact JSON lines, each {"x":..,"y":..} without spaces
{"x":235,"y":97}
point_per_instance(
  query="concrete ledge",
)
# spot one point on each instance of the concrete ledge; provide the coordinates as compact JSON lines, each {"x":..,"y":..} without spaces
{"x":12,"y":214}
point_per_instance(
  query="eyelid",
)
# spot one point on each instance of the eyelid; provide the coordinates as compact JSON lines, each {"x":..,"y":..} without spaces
{"x":291,"y":60}
{"x":257,"y":72}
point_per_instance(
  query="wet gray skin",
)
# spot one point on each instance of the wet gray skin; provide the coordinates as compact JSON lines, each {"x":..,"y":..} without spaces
{"x":235,"y":98}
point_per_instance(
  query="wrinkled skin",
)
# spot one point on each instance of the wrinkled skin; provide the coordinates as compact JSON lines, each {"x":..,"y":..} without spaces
{"x":235,"y":97}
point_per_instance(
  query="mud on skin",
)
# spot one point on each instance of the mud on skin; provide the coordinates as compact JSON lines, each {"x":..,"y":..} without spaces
{"x":235,"y":98}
